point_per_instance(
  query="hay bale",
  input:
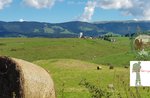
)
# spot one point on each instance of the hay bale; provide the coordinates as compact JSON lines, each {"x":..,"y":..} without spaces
{"x":126,"y":66}
{"x":21,"y":79}
{"x":99,"y":68}
{"x":111,"y":66}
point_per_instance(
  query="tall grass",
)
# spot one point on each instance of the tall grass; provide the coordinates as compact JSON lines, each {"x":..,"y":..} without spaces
{"x":68,"y":74}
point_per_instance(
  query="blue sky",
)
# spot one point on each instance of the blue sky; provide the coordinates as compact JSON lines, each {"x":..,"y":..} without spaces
{"x":56,"y":11}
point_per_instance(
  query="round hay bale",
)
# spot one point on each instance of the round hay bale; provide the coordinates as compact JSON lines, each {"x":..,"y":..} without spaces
{"x":126,"y":66}
{"x":99,"y":68}
{"x":22,"y":79}
{"x":111,"y":67}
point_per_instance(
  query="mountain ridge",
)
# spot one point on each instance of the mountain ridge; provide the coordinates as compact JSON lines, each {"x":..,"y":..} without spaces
{"x":70,"y":29}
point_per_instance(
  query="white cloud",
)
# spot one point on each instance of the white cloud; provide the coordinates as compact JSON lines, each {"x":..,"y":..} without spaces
{"x":135,"y":19}
{"x":4,"y":3}
{"x":21,"y":20}
{"x":127,"y":7}
{"x":39,"y":3}
{"x":114,"y":4}
{"x":140,"y":9}
{"x":88,"y":11}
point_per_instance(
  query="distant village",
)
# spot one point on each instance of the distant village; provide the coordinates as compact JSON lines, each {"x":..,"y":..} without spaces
{"x":108,"y":37}
{"x":141,"y":41}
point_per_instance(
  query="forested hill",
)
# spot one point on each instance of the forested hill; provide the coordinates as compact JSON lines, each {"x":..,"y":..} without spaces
{"x":70,"y":29}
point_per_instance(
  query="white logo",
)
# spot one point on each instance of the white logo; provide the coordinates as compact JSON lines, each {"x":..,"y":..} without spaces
{"x":139,"y":73}
{"x":141,"y":45}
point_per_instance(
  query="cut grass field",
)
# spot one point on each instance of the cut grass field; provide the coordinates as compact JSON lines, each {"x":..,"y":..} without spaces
{"x":68,"y":73}
{"x":91,"y":50}
{"x":71,"y":60}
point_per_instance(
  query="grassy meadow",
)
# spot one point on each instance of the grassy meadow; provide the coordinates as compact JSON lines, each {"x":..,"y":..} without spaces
{"x":71,"y":60}
{"x":68,"y":74}
{"x":91,"y":50}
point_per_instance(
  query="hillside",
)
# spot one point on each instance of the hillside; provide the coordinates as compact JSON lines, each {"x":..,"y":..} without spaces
{"x":91,"y":50}
{"x":70,"y":61}
{"x":70,"y":29}
{"x":69,"y":74}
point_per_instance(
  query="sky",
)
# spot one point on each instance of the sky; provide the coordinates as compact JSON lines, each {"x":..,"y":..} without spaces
{"x":58,"y":11}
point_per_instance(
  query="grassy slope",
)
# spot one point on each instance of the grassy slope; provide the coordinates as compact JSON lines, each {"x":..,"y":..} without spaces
{"x":70,"y":72}
{"x":96,"y":50}
{"x":63,"y":69}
